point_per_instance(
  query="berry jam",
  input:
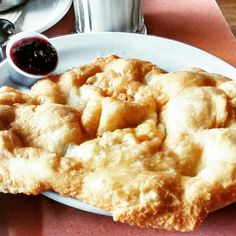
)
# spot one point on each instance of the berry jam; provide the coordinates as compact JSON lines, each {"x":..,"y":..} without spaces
{"x":34,"y":55}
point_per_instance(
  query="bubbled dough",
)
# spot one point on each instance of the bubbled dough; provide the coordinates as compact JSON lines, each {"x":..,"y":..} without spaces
{"x":157,"y":149}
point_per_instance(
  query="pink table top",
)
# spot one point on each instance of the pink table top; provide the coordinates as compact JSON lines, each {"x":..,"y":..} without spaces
{"x":198,"y":23}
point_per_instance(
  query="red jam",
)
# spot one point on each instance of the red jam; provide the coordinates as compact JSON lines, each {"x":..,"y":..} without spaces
{"x":34,"y":55}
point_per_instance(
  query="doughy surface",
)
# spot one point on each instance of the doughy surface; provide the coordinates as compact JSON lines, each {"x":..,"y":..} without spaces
{"x":156,"y":149}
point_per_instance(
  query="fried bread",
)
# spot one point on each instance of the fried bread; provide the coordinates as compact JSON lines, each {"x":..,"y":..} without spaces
{"x":156,"y":148}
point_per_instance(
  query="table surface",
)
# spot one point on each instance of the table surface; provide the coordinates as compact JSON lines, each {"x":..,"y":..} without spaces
{"x":38,"y":215}
{"x":228,"y":8}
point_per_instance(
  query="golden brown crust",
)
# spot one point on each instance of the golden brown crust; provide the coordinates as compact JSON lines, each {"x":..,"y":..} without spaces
{"x":157,"y":149}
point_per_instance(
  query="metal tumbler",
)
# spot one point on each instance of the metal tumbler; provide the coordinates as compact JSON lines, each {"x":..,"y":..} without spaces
{"x":109,"y":15}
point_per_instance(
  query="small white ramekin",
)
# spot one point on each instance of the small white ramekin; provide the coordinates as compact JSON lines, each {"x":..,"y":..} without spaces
{"x":16,"y":74}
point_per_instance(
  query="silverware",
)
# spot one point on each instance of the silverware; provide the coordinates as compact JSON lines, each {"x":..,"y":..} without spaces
{"x":12,"y":15}
{"x":7,"y":28}
{"x":6,"y":5}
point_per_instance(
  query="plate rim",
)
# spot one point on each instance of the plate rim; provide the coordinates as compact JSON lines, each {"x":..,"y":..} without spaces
{"x":210,"y":56}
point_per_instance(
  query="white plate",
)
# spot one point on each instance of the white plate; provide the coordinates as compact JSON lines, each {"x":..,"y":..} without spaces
{"x":38,"y":15}
{"x":170,"y":55}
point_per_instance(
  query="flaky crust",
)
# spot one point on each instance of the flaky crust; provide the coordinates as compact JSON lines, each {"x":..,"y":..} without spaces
{"x":156,"y":149}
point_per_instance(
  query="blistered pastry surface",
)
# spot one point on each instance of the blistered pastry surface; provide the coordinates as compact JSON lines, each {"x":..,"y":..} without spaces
{"x":157,"y":149}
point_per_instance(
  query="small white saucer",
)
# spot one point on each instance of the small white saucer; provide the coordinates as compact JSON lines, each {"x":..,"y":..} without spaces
{"x":38,"y":15}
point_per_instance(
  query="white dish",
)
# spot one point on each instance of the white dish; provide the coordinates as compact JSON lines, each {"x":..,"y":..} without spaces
{"x":170,"y":55}
{"x":38,"y":15}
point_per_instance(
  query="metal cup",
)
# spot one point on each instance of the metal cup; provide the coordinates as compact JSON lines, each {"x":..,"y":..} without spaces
{"x":109,"y":15}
